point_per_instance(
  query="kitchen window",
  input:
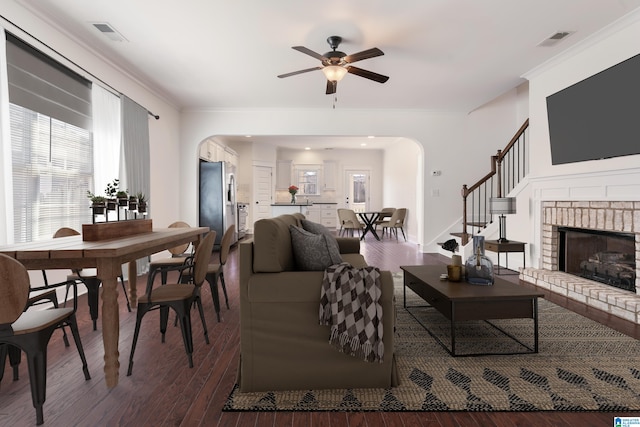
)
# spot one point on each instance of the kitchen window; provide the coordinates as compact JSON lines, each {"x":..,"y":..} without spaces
{"x":308,"y":181}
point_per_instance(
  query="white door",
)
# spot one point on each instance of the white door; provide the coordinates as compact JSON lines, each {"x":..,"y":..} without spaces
{"x":357,"y":190}
{"x":262,"y":190}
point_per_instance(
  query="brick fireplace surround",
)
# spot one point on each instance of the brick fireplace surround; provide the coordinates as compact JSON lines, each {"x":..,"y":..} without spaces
{"x":608,"y":216}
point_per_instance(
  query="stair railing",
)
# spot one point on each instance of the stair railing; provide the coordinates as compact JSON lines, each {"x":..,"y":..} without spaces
{"x":508,"y":167}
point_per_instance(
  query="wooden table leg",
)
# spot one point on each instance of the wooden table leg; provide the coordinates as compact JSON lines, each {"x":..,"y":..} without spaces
{"x":109,"y":271}
{"x":133,"y":284}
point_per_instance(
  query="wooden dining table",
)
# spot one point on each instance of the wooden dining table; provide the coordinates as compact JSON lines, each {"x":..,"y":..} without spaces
{"x":107,"y":256}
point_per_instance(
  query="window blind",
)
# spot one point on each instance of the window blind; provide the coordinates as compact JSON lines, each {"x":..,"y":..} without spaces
{"x":39,"y":83}
{"x":51,"y":143}
{"x":52,"y":171}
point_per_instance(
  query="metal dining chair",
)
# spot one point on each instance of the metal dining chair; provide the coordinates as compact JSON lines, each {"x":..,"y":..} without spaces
{"x":31,"y":330}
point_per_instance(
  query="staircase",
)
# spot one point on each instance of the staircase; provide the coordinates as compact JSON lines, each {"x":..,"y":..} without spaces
{"x":508,"y":167}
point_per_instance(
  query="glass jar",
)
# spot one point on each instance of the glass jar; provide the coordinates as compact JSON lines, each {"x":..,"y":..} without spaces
{"x":479,"y":268}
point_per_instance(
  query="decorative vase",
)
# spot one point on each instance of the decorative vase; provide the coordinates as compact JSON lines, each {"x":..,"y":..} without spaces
{"x":479,"y":268}
{"x":293,"y":198}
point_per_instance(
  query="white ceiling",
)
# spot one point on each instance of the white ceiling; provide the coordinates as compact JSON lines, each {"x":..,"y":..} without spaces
{"x":441,"y":55}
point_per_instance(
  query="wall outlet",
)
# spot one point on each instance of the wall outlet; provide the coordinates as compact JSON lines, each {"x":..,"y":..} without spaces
{"x":436,"y":173}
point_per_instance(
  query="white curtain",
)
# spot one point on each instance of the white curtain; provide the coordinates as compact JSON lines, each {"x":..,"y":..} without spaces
{"x":135,"y":150}
{"x":6,"y":169}
{"x":106,"y":137}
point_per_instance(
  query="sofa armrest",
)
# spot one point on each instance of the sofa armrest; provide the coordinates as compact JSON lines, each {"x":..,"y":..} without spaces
{"x":348,"y":245}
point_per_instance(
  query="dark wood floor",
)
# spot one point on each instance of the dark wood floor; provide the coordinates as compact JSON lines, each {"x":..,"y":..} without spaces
{"x":164,"y":391}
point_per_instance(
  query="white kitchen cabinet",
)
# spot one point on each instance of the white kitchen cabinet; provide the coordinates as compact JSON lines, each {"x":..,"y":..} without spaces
{"x":206,"y":151}
{"x":323,"y":213}
{"x":231,"y":157}
{"x":314,"y":213}
{"x":283,"y":174}
{"x":330,"y":169}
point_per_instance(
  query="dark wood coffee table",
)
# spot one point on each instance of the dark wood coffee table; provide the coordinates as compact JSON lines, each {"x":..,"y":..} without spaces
{"x":462,"y":301}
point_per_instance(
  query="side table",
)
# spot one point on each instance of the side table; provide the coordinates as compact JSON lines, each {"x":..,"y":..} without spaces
{"x":506,"y":247}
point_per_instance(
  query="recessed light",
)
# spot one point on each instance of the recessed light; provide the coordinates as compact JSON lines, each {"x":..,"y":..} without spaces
{"x":371,"y":137}
{"x":364,"y":144}
{"x":247,"y":136}
{"x":307,"y":148}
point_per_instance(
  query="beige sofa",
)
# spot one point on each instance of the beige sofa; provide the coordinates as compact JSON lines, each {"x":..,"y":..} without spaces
{"x":282,"y":345}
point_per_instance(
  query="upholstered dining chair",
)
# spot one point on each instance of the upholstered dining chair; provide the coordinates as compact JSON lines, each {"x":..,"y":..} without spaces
{"x":179,"y":297}
{"x":352,"y":222}
{"x":178,"y":256}
{"x":88,"y":277}
{"x":31,"y":330}
{"x":383,"y":216}
{"x":215,"y":271}
{"x":396,"y":221}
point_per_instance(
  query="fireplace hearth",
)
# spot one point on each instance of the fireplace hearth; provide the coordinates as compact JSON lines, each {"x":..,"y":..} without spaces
{"x":604,"y":256}
{"x":602,"y":275}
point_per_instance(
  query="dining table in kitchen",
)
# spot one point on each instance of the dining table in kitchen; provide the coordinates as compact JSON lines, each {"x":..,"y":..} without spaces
{"x":369,"y":220}
{"x":107,"y":256}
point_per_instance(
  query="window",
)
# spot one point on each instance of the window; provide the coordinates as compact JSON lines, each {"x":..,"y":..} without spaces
{"x":308,"y":181}
{"x":51,"y":143}
{"x":52,"y":171}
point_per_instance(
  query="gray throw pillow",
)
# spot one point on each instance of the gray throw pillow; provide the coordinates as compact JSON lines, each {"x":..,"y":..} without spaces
{"x":311,"y":251}
{"x":334,"y":248}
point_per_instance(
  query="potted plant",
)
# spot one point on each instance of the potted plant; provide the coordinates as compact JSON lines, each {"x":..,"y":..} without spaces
{"x":98,"y":203}
{"x":123,"y":198}
{"x":142,"y":202}
{"x":110,"y":192}
{"x":133,"y":203}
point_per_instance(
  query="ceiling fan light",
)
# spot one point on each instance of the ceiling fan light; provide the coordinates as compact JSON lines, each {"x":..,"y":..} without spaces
{"x":334,"y":73}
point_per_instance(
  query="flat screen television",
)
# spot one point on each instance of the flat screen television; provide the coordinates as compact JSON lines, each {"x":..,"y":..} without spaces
{"x":597,"y":118}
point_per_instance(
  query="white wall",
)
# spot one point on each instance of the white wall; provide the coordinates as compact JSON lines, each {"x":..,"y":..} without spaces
{"x":607,"y":179}
{"x":403,"y":183}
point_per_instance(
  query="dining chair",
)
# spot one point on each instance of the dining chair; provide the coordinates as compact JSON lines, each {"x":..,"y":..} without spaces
{"x":31,"y":330}
{"x":179,"y":297}
{"x":38,"y":295}
{"x":178,"y":256}
{"x":215,"y":271}
{"x":383,"y":216}
{"x":352,"y":222}
{"x":342,"y":218}
{"x":396,"y":221}
{"x":88,"y":277}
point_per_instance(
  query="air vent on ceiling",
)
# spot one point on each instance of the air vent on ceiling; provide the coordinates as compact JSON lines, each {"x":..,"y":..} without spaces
{"x":108,"y":30}
{"x":555,"y":38}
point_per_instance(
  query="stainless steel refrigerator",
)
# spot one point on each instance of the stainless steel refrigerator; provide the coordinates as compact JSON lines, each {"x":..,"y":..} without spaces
{"x":217,"y":199}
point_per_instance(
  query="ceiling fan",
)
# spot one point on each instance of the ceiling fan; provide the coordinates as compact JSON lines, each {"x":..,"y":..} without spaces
{"x":335,"y":64}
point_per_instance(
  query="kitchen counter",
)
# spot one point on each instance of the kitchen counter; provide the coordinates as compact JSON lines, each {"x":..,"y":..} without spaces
{"x":278,"y":209}
{"x":321,"y":212}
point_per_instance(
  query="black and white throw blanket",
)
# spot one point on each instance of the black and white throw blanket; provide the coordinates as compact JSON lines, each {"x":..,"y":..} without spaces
{"x":350,"y":304}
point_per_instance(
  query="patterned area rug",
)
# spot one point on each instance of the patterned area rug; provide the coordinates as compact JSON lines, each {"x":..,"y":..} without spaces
{"x":581,"y":366}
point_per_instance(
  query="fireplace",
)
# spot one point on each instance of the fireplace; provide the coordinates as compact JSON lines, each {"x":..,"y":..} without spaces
{"x":604,"y":256}
{"x":619,"y":221}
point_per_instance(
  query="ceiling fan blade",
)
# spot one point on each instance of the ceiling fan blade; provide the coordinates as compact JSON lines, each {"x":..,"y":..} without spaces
{"x":367,"y":74}
{"x":332,"y":87}
{"x":310,"y":52}
{"x":299,"y":72}
{"x":365,"y":54}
